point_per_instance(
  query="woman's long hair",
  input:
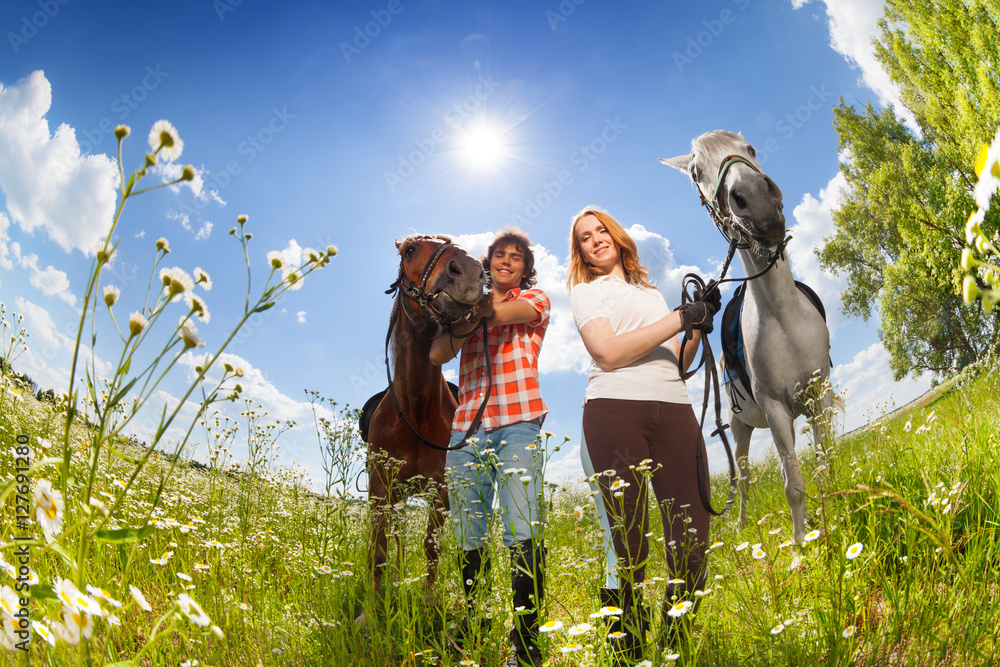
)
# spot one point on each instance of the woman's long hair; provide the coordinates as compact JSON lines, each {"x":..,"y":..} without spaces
{"x":580,"y":271}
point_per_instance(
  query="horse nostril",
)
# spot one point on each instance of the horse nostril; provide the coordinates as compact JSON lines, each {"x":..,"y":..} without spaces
{"x":454,"y":268}
{"x":740,"y":202}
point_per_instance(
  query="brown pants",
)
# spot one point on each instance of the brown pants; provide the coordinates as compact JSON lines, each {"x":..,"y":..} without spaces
{"x":620,"y":435}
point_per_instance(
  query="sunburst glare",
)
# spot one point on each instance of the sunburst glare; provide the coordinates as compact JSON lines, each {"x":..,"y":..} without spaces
{"x":482,"y":147}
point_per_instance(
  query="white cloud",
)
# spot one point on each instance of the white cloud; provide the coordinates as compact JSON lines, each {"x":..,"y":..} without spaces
{"x":867,"y":387}
{"x":814,"y":222}
{"x":563,"y":348}
{"x":5,"y":261}
{"x":40,"y":325}
{"x":171,"y":171}
{"x":567,"y":469}
{"x":46,"y":180}
{"x":53,"y":282}
{"x":300,"y":317}
{"x":50,"y":348}
{"x":853,"y":25}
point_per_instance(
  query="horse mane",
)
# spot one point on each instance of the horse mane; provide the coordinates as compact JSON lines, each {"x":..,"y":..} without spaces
{"x":716,"y":140}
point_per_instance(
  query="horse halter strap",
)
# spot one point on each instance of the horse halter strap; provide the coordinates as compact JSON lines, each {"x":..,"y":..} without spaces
{"x":418,"y":291}
{"x":724,"y":219}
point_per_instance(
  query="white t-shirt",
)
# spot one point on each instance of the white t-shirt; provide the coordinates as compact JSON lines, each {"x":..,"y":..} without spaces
{"x":654,"y":377}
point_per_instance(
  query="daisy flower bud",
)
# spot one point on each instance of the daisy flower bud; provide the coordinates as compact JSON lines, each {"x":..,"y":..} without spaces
{"x":122,"y":131}
{"x":968,"y":261}
{"x":187,"y":174}
{"x":49,"y":508}
{"x":189,"y":334}
{"x":202,"y":278}
{"x":970,"y":290}
{"x":242,"y":219}
{"x":331,"y":250}
{"x":136,"y":323}
{"x":111,"y":294}
{"x":163,"y":244}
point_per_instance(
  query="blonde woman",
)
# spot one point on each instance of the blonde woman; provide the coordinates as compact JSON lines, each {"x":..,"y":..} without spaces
{"x":638,"y":422}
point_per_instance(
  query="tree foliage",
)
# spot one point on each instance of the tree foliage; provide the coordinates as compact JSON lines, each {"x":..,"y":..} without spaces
{"x":900,"y":227}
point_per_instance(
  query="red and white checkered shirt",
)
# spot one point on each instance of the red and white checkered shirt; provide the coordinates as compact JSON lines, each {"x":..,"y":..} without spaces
{"x":514,"y":352}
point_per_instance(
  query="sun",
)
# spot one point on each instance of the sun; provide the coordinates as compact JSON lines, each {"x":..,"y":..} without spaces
{"x":482,"y":147}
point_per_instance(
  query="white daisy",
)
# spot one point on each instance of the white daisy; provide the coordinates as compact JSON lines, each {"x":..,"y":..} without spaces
{"x":164,"y":141}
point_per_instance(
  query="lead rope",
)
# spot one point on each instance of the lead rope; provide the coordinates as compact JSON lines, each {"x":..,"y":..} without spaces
{"x":712,"y":374}
{"x":482,"y":406}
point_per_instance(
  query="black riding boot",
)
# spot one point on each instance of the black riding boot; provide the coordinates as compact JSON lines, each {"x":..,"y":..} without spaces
{"x":528,"y":582}
{"x":475,"y":566}
{"x":632,"y":623}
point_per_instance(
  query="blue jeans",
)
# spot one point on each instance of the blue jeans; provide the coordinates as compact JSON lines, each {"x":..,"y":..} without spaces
{"x":506,"y":462}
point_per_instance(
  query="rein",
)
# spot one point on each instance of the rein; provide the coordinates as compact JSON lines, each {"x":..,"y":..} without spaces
{"x":745,"y":241}
{"x":474,"y":426}
{"x":418,"y":292}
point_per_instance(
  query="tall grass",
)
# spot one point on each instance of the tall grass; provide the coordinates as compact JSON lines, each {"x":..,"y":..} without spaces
{"x":282,"y":571}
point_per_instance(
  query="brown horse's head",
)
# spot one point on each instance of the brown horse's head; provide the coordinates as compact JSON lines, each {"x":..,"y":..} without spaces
{"x":442,"y":280}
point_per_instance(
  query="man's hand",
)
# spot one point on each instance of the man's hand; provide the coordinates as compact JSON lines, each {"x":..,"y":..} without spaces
{"x":483,"y":309}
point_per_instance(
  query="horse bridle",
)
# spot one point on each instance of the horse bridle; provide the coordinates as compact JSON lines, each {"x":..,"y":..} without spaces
{"x":724,"y":220}
{"x":419,"y":293}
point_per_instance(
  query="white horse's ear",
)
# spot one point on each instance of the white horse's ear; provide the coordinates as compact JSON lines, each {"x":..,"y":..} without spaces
{"x":679,"y":163}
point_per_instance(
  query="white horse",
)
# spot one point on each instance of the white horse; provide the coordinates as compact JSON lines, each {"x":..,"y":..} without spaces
{"x":785,"y":337}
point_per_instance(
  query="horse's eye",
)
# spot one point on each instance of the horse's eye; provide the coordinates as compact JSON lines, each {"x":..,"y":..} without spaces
{"x":409,"y":252}
{"x":752,"y":151}
{"x":694,"y":174}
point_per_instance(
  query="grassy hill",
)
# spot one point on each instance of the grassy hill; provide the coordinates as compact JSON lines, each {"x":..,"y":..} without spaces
{"x":223,"y":568}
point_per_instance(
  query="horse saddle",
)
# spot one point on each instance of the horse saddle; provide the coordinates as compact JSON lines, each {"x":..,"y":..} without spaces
{"x":366,"y":412}
{"x":732,"y":335}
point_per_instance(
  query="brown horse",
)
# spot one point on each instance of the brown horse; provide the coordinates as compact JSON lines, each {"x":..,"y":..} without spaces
{"x":439,"y":283}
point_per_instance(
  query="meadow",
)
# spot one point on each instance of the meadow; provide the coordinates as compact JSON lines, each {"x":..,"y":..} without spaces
{"x":230,"y":566}
{"x":121,"y":552}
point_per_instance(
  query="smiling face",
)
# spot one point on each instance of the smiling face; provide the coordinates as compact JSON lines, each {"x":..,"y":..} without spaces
{"x":506,"y":268}
{"x":597,"y":247}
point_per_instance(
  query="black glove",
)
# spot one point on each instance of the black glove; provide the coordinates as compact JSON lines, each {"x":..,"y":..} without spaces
{"x":698,"y":315}
{"x":713,"y":299}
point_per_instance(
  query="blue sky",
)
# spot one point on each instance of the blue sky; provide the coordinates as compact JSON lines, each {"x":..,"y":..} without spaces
{"x":356,"y":125}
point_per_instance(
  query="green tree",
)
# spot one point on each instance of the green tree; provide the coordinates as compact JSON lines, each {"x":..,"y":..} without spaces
{"x":900,"y":227}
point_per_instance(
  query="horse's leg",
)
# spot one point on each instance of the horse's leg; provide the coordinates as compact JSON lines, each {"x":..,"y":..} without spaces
{"x":432,"y":549}
{"x":741,"y":436}
{"x":782,"y":425}
{"x":378,"y":502}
